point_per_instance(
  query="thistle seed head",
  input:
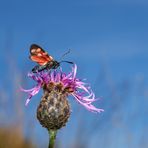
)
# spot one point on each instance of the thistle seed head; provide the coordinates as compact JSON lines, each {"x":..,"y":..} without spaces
{"x":54,"y":110}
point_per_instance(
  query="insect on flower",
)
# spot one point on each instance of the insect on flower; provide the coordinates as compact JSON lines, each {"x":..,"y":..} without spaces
{"x":45,"y":61}
{"x":54,"y":109}
{"x":61,"y":83}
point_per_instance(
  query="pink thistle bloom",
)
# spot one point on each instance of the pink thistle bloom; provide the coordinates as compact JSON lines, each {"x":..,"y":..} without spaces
{"x":78,"y":89}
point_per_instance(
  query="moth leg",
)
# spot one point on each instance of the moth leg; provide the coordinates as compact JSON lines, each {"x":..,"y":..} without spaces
{"x":35,"y":69}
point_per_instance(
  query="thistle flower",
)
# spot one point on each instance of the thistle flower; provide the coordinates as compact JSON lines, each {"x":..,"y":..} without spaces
{"x":54,"y":110}
{"x":68,"y":84}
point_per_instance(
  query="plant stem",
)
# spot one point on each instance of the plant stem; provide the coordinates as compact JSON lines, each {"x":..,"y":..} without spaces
{"x":52,"y":138}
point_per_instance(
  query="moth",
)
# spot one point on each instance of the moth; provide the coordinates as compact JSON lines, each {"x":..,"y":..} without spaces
{"x":44,"y":60}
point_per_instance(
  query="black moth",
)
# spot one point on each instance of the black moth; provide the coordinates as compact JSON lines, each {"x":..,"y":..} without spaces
{"x":45,"y":61}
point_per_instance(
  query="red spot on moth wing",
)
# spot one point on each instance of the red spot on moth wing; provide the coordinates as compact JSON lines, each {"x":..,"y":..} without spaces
{"x":39,"y":60}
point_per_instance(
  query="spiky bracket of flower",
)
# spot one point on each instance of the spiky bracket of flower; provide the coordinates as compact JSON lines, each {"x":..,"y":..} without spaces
{"x":54,"y":110}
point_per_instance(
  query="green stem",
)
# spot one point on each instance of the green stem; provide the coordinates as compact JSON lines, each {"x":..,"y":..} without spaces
{"x":52,"y":138}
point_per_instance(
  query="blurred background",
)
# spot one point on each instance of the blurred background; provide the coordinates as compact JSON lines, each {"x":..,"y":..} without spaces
{"x":109,"y":43}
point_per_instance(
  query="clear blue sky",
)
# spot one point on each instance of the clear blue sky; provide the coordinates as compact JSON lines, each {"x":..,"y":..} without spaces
{"x":109,"y":34}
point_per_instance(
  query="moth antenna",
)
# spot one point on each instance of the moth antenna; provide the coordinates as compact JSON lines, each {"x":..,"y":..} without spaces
{"x":67,"y":62}
{"x":65,"y":54}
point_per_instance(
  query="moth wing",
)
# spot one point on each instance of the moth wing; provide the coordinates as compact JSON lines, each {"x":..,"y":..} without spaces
{"x":39,"y":55}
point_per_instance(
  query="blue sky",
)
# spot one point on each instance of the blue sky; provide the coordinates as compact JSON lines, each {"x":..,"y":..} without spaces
{"x":103,"y":35}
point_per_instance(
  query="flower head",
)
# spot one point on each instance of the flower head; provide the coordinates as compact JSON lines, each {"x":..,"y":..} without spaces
{"x":65,"y":83}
